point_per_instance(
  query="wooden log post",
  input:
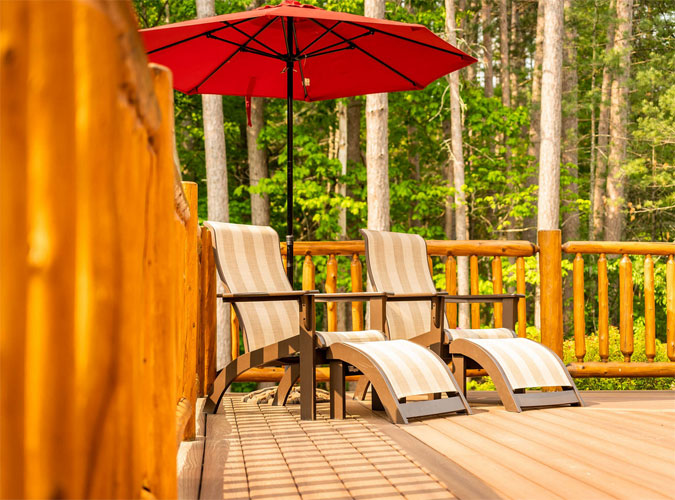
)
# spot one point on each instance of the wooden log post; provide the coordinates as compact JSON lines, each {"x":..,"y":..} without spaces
{"x":670,"y":308}
{"x":451,"y":287}
{"x":308,"y":273}
{"x":331,"y":287}
{"x":520,"y":288}
{"x":207,"y":316}
{"x":578,"y":302}
{"x":191,"y":309}
{"x":497,"y":288}
{"x":550,"y":272}
{"x":650,"y":310}
{"x":475,"y":290}
{"x":234,"y":333}
{"x":603,"y":309}
{"x":626,"y":307}
{"x":356,"y":270}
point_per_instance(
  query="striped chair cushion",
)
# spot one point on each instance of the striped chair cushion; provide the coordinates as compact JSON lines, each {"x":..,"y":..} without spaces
{"x":398,"y":263}
{"x":480,"y":333}
{"x":526,"y":363}
{"x":410,"y":368}
{"x":248,"y":260}
{"x":328,"y":338}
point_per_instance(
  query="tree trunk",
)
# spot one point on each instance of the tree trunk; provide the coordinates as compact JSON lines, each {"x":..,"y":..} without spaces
{"x":570,"y":124}
{"x":549,"y":152}
{"x":517,"y":59}
{"x":618,"y":120}
{"x":485,"y":14}
{"x":377,"y":145}
{"x":457,"y":158}
{"x":257,"y":163}
{"x":504,"y":76}
{"x":600,"y":177}
{"x":535,"y":117}
{"x":466,"y":34}
{"x":571,"y":225}
{"x":342,"y":150}
{"x":449,"y":216}
{"x":216,"y":187}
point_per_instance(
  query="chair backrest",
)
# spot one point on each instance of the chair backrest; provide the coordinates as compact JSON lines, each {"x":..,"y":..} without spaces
{"x":248,"y":259}
{"x":398,"y":263}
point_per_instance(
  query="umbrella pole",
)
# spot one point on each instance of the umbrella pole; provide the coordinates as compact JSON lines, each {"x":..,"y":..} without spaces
{"x":289,"y":153}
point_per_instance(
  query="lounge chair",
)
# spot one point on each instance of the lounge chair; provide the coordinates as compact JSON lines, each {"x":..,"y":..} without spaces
{"x":397,"y":264}
{"x":279,"y":329}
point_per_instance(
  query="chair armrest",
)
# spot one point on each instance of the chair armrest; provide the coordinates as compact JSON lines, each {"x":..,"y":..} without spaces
{"x":262,"y":296}
{"x":349,"y":296}
{"x":482,"y":299}
{"x":401,"y":297}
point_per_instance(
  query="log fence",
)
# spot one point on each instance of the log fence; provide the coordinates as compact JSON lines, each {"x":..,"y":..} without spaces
{"x":625,"y":250}
{"x":106,"y":301}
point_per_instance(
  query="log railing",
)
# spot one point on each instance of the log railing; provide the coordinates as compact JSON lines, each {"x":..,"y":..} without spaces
{"x":605,"y":250}
{"x":102,"y":334}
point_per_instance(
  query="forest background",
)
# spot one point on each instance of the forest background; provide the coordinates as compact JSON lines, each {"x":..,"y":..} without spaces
{"x":605,"y":193}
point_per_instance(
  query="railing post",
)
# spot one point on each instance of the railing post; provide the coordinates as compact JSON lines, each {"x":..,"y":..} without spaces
{"x":550,"y":272}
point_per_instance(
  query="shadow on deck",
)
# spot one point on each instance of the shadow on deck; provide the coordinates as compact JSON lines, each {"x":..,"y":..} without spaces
{"x":622,"y":445}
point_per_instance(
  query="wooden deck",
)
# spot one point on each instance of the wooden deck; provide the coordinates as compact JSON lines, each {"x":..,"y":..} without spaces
{"x":622,"y":445}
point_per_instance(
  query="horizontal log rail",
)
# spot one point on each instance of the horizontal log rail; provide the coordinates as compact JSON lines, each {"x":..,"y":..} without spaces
{"x":627,"y":368}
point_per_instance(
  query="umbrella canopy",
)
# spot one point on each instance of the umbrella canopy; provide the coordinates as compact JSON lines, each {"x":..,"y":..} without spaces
{"x":298,"y":51}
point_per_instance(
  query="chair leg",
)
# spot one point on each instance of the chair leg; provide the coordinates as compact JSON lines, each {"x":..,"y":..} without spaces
{"x":291,"y":376}
{"x":307,"y":384}
{"x":337,"y":390}
{"x":376,"y":403}
{"x":459,"y":371}
{"x":361,"y":388}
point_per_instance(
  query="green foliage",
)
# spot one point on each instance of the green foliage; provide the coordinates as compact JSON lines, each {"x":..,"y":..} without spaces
{"x":606,"y":384}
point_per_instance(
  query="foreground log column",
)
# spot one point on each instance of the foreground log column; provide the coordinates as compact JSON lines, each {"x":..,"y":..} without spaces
{"x":550,"y":272}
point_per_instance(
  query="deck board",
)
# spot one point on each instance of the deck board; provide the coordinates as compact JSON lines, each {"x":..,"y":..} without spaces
{"x":621,"y":445}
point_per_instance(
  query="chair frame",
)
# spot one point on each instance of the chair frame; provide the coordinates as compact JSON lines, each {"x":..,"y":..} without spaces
{"x":466,"y":355}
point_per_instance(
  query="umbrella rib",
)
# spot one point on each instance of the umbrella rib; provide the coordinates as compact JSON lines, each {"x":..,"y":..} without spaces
{"x":258,"y":41}
{"x":389,"y":67}
{"x":382,"y":32}
{"x":328,"y":30}
{"x":247,"y":49}
{"x":323,"y":51}
{"x":302,"y":74}
{"x":196,"y":87}
{"x":205,"y":33}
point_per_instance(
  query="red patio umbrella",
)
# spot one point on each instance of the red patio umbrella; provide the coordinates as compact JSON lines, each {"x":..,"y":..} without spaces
{"x":298,"y":51}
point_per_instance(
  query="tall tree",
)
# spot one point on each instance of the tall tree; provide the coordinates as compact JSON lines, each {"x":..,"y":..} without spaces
{"x":570,"y":128}
{"x":377,"y":145}
{"x":601,"y":151}
{"x":551,"y":96}
{"x":570,"y":148}
{"x":618,"y":134}
{"x":457,"y":158}
{"x":257,"y":163}
{"x":535,"y":116}
{"x":466,"y":39}
{"x":486,"y":21}
{"x":504,"y":76}
{"x":216,"y":184}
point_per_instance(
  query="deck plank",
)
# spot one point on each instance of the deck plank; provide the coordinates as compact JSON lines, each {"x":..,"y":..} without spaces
{"x":621,"y":445}
{"x":596,"y":471}
{"x":189,"y":466}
